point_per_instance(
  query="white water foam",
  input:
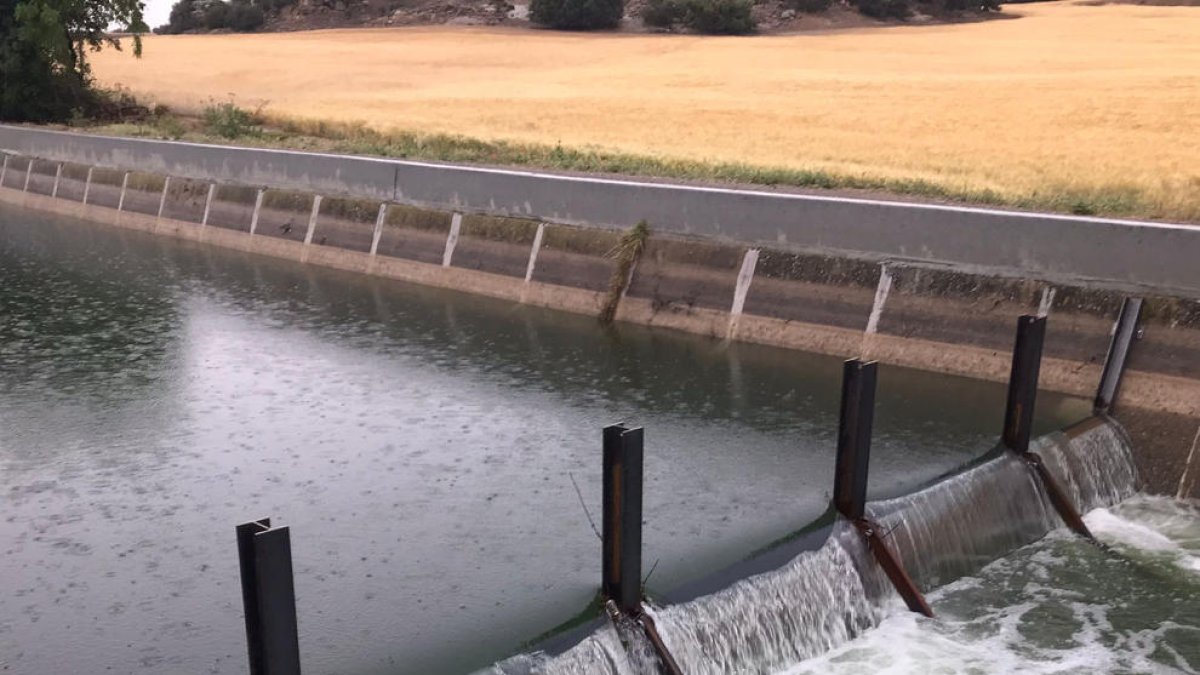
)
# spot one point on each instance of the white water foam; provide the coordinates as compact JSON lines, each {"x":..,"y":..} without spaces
{"x":1039,"y":610}
{"x":1152,"y":526}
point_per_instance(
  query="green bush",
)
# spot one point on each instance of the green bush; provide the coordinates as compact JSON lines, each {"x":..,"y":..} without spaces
{"x":721,"y":17}
{"x":884,"y":9}
{"x":810,"y":6}
{"x":216,"y":15}
{"x":244,"y":17}
{"x":227,"y":120}
{"x":714,"y":17}
{"x":663,"y":13}
{"x":577,"y":14}
{"x":975,"y":5}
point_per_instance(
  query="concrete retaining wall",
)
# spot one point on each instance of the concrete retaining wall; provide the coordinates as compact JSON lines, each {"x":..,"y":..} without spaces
{"x":1066,"y":249}
{"x":952,"y":319}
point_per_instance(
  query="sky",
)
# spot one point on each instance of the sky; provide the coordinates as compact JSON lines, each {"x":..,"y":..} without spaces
{"x":157,"y":12}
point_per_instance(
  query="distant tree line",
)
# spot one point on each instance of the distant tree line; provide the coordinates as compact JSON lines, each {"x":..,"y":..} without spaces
{"x":722,"y":17}
{"x":239,"y":16}
{"x":44,"y":73}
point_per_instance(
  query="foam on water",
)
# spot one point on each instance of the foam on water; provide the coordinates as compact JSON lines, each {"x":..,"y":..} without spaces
{"x":1156,"y":527}
{"x":1059,"y":605}
{"x":816,"y":613}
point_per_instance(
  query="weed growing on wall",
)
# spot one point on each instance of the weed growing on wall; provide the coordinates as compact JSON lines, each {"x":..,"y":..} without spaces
{"x":627,"y":253}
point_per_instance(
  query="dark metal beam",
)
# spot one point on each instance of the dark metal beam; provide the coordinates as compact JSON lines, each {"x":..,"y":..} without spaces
{"x":269,"y":598}
{"x":1125,"y":333}
{"x":1018,"y":415}
{"x":247,"y":562}
{"x":850,"y":474}
{"x":854,"y":437}
{"x":1023,"y":383}
{"x":622,"y":521}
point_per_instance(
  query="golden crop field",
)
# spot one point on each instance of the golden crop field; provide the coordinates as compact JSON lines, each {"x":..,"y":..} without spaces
{"x":1066,"y":98}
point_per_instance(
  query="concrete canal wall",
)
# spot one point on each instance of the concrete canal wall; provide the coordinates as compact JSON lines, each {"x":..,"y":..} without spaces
{"x":928,"y":287}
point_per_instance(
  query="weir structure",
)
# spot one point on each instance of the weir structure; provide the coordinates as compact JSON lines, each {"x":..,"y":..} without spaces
{"x":879,"y":308}
{"x":1013,"y":461}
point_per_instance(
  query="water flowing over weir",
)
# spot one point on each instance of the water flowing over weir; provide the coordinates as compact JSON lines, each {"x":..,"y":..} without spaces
{"x":825,"y":597}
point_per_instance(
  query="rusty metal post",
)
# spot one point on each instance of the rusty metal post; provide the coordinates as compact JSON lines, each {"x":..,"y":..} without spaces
{"x":622,"y":521}
{"x":850,"y":475}
{"x":269,"y":598}
{"x":1018,"y":415}
{"x":1124,"y":334}
{"x":854,"y":437}
{"x":1023,"y":383}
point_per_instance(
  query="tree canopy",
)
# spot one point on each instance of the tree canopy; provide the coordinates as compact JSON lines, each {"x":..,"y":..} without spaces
{"x":44,"y":74}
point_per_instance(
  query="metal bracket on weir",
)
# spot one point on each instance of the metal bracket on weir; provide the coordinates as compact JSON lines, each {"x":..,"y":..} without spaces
{"x":896,"y":573}
{"x":644,"y":622}
{"x":1018,"y":415}
{"x":850,"y":476}
{"x":621,"y":580}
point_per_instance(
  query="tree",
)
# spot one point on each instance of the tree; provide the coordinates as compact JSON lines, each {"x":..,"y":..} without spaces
{"x":184,"y":17}
{"x":44,"y":74}
{"x":577,"y":14}
{"x":245,"y":17}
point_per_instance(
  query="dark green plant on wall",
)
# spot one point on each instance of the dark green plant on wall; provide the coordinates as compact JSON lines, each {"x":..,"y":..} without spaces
{"x":626,"y":253}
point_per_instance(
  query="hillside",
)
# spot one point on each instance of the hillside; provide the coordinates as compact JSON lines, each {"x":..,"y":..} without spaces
{"x":771,"y":16}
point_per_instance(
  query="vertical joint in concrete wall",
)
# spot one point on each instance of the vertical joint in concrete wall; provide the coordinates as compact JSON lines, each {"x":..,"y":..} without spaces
{"x":212,"y":191}
{"x":1047,"y":302}
{"x":124,"y":187}
{"x":28,"y":173}
{"x":57,"y":180}
{"x":378,"y":233}
{"x":882,"y":290}
{"x":312,"y":219}
{"x":881,"y":295}
{"x":4,"y":170}
{"x":741,"y":290}
{"x":533,"y":251}
{"x":258,"y":200}
{"x":87,"y":184}
{"x":1187,"y":479}
{"x":162,"y":199}
{"x":1124,"y":333}
{"x":452,"y":239}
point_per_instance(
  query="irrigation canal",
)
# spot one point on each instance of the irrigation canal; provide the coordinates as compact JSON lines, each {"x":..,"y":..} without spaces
{"x":424,"y":447}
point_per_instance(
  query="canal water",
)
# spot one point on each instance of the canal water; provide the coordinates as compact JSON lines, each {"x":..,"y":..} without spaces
{"x":424,"y":446}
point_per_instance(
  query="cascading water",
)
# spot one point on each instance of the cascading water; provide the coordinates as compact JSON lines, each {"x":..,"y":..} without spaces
{"x":823,"y":598}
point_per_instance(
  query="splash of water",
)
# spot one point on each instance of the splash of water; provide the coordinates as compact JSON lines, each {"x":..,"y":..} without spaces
{"x":827,"y":597}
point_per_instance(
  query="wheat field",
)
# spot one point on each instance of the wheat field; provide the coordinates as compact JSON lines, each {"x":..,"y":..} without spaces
{"x":1061,"y":98}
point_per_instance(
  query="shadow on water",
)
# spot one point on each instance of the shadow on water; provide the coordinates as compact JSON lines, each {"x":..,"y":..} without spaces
{"x":420,"y":442}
